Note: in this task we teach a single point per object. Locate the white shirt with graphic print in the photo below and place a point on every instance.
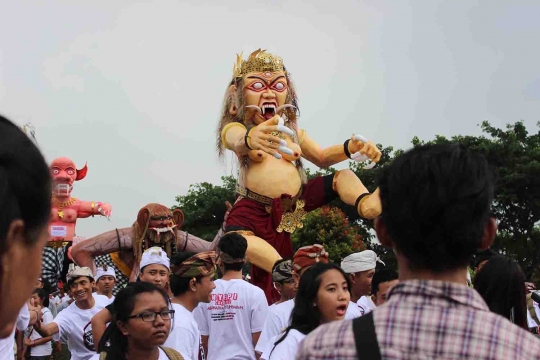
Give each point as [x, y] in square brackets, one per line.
[75, 329]
[237, 310]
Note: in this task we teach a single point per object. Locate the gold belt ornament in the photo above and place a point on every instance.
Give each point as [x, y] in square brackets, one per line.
[56, 244]
[244, 192]
[290, 221]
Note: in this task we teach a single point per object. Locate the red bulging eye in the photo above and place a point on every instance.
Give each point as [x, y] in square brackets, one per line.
[56, 171]
[71, 172]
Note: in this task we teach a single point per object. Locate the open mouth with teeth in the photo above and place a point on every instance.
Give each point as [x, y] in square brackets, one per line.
[268, 110]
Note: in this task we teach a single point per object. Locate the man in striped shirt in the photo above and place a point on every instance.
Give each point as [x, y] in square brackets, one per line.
[436, 214]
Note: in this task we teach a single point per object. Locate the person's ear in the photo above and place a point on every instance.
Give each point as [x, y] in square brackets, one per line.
[122, 327]
[490, 231]
[382, 233]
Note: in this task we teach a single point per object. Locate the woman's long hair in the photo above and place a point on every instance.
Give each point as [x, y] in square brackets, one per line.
[305, 317]
[501, 283]
[113, 341]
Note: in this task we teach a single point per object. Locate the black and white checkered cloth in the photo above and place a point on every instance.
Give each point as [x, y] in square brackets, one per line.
[121, 279]
[52, 262]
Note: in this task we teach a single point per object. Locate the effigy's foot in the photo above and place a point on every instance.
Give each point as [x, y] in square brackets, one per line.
[369, 205]
[259, 252]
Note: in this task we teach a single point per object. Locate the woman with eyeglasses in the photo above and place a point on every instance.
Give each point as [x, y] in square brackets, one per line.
[141, 324]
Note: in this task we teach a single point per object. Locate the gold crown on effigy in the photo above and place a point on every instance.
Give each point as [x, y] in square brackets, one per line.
[258, 61]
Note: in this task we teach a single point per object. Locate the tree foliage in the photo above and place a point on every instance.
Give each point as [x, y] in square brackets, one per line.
[330, 227]
[514, 156]
[204, 207]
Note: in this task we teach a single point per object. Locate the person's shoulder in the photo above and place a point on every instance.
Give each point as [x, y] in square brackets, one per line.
[508, 334]
[335, 339]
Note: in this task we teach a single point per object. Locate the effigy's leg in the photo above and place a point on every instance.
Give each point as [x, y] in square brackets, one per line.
[260, 253]
[351, 190]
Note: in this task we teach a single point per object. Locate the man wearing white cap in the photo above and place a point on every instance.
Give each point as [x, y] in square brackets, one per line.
[72, 326]
[105, 280]
[155, 268]
[361, 267]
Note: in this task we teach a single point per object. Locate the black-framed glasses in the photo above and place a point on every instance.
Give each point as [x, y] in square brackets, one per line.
[151, 315]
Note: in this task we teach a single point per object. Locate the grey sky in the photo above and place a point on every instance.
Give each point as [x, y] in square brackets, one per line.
[135, 89]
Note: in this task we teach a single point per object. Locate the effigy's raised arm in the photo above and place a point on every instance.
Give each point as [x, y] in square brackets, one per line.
[111, 241]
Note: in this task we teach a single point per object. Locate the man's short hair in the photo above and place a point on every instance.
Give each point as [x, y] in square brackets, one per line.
[234, 245]
[435, 205]
[382, 276]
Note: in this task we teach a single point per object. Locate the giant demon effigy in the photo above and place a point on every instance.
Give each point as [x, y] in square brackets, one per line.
[259, 124]
[65, 210]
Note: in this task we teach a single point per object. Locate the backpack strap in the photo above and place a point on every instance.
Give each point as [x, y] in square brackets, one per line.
[171, 353]
[365, 338]
[532, 310]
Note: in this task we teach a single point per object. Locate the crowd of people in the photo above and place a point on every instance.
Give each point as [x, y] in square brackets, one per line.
[436, 218]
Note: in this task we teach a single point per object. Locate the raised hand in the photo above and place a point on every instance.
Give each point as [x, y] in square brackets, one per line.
[260, 137]
[362, 149]
[105, 209]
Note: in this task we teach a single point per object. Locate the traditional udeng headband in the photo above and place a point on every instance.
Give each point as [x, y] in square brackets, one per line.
[228, 259]
[282, 272]
[308, 256]
[258, 61]
[203, 263]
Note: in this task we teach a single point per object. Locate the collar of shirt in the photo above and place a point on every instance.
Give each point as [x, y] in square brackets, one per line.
[437, 292]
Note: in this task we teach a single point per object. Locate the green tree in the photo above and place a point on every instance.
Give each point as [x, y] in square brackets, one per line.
[204, 207]
[329, 227]
[369, 178]
[514, 156]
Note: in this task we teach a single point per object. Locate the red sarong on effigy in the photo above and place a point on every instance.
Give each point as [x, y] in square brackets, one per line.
[248, 214]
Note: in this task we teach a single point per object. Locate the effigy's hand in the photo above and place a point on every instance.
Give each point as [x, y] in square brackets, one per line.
[105, 209]
[363, 149]
[260, 137]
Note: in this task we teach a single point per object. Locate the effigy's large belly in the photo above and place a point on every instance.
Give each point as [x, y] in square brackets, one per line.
[273, 177]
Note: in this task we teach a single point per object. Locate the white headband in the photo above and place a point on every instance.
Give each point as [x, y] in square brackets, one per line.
[105, 271]
[360, 261]
[155, 255]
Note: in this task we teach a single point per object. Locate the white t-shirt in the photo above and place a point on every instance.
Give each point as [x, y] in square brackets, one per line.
[43, 349]
[185, 336]
[365, 305]
[530, 321]
[286, 349]
[162, 355]
[75, 328]
[279, 318]
[6, 344]
[237, 310]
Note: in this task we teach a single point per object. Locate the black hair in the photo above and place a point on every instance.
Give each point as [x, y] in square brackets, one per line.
[234, 245]
[483, 255]
[304, 317]
[180, 285]
[435, 205]
[381, 276]
[501, 283]
[123, 304]
[43, 296]
[71, 281]
[25, 185]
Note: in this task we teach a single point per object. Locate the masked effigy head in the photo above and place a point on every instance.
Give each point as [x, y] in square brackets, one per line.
[156, 226]
[64, 173]
[260, 88]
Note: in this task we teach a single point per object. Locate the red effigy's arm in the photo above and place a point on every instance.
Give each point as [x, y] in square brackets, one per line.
[90, 208]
